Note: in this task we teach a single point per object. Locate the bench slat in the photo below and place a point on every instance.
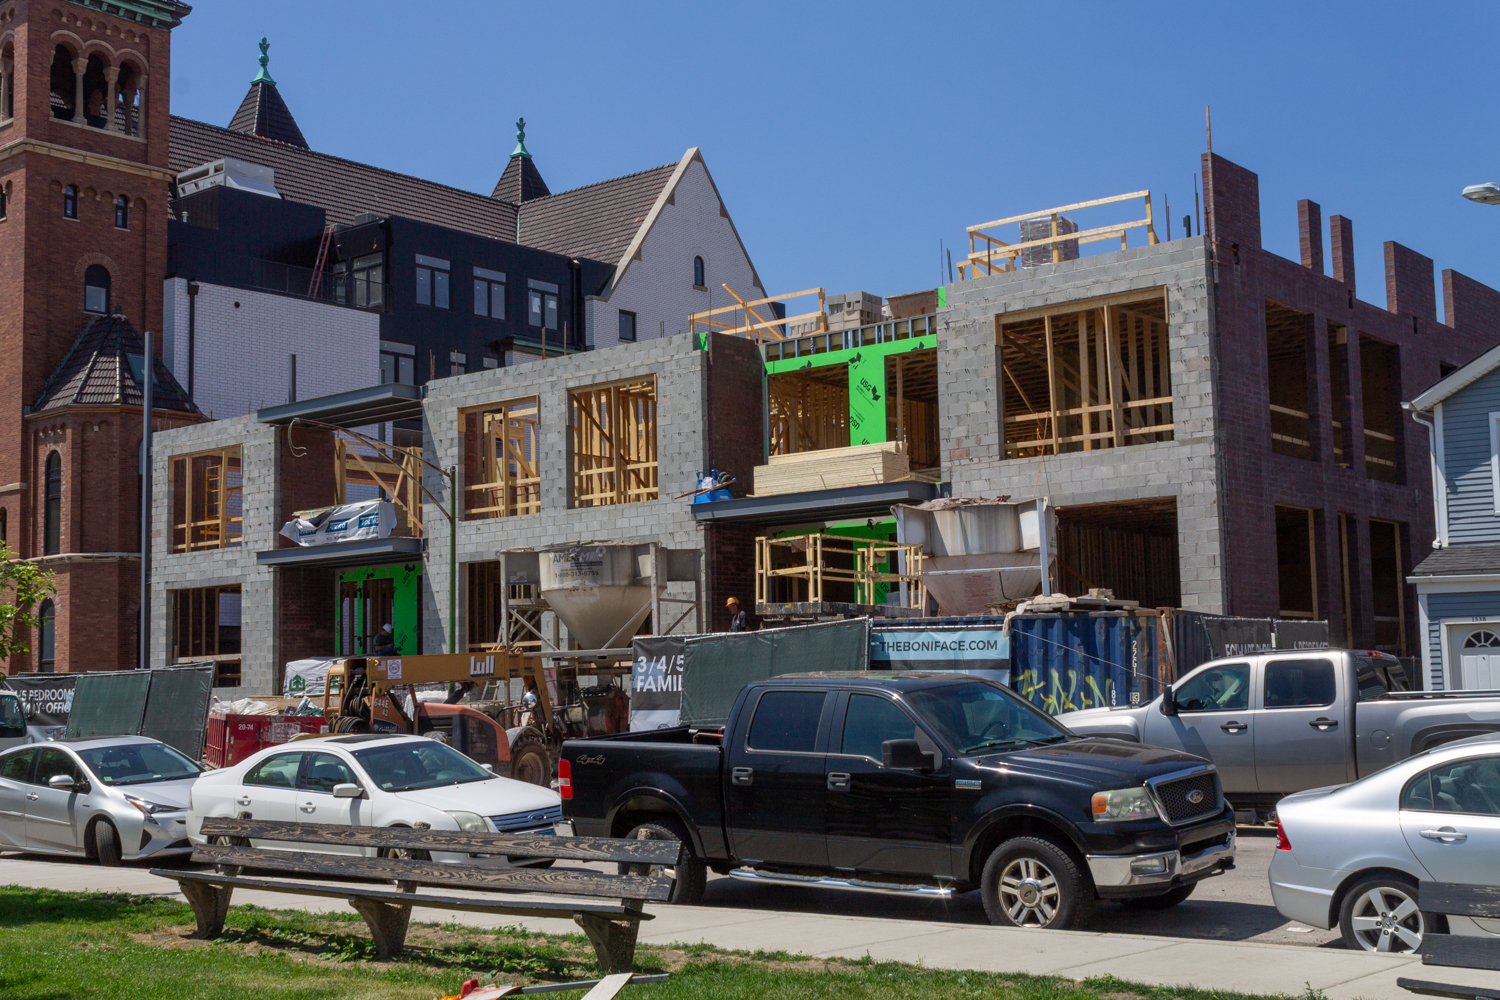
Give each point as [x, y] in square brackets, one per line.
[1465, 952]
[655, 852]
[1448, 990]
[1459, 899]
[518, 907]
[578, 882]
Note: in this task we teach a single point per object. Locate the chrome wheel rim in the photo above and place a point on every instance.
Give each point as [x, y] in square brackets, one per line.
[1029, 893]
[670, 872]
[1386, 919]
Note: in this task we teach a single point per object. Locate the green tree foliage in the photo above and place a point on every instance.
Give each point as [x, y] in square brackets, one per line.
[22, 587]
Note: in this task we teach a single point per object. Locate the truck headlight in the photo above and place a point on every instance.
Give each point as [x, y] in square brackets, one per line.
[1120, 804]
[469, 822]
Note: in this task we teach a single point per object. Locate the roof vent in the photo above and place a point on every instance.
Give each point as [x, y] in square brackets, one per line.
[228, 173]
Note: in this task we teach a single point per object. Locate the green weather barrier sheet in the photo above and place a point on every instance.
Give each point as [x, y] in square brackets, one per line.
[719, 665]
[867, 388]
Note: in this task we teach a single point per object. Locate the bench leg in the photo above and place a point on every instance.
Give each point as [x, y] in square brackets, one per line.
[210, 905]
[387, 922]
[613, 940]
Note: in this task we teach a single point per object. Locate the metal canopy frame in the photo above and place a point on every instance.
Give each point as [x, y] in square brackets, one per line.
[376, 404]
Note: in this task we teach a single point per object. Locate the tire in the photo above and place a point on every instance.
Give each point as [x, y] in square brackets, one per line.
[1030, 882]
[690, 874]
[1165, 901]
[530, 762]
[233, 871]
[1380, 914]
[106, 844]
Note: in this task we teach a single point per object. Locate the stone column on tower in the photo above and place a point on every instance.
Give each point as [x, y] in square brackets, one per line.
[80, 67]
[111, 96]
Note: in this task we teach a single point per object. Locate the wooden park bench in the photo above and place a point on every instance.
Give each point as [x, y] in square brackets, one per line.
[1453, 950]
[611, 927]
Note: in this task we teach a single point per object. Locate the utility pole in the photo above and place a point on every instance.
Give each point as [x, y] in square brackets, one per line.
[148, 370]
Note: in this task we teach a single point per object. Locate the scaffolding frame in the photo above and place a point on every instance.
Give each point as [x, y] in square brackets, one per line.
[866, 556]
[991, 255]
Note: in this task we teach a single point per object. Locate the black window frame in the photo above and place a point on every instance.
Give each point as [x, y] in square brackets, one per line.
[624, 313]
[46, 637]
[439, 282]
[52, 505]
[92, 277]
[700, 272]
[122, 212]
[70, 202]
[489, 290]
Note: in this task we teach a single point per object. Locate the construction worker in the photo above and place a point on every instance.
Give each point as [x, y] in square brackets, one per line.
[385, 641]
[741, 621]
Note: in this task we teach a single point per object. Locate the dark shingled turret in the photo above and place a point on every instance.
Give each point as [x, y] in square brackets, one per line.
[103, 368]
[263, 112]
[521, 180]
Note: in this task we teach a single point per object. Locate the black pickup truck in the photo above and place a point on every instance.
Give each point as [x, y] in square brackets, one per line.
[921, 784]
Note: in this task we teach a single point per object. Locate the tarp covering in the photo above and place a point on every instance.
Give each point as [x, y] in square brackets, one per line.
[1198, 638]
[305, 677]
[109, 704]
[719, 665]
[347, 523]
[981, 650]
[656, 681]
[1066, 662]
[168, 704]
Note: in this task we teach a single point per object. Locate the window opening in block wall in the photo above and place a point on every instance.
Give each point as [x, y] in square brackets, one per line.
[809, 409]
[1296, 562]
[1128, 547]
[1380, 388]
[613, 429]
[1288, 361]
[911, 396]
[432, 281]
[489, 293]
[52, 506]
[1338, 394]
[1388, 586]
[1086, 376]
[206, 626]
[207, 500]
[488, 595]
[500, 460]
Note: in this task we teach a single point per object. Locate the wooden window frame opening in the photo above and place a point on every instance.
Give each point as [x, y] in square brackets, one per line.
[612, 432]
[507, 441]
[221, 525]
[191, 614]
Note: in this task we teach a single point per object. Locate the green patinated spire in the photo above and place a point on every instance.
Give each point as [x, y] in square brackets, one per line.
[520, 149]
[264, 76]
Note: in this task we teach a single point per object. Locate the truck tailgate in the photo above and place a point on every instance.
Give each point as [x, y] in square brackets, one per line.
[608, 773]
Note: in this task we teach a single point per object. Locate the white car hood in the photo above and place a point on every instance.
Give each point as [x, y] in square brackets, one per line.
[164, 793]
[494, 797]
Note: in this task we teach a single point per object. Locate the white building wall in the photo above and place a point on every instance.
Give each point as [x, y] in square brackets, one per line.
[243, 339]
[658, 288]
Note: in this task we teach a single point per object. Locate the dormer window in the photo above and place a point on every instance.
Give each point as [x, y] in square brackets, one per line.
[122, 212]
[96, 284]
[698, 281]
[70, 202]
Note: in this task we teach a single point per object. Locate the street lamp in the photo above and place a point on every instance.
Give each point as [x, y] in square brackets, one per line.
[1485, 194]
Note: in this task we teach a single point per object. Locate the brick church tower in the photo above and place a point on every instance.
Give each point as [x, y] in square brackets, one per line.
[84, 192]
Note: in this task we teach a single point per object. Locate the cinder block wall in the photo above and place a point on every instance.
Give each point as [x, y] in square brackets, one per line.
[971, 402]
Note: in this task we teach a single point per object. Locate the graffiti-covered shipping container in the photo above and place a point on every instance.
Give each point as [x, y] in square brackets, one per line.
[1066, 662]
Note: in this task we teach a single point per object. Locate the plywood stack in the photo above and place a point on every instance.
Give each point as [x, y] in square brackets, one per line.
[833, 468]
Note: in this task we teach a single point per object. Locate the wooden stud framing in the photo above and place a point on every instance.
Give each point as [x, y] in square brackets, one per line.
[865, 557]
[510, 481]
[983, 260]
[207, 500]
[613, 429]
[399, 477]
[757, 328]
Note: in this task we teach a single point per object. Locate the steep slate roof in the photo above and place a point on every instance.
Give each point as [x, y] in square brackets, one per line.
[96, 372]
[265, 114]
[598, 221]
[1460, 560]
[343, 188]
[521, 181]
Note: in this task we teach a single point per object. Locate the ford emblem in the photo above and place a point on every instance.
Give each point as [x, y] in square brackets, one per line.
[1195, 796]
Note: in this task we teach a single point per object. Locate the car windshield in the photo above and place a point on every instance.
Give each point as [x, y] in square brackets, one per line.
[981, 716]
[404, 767]
[138, 764]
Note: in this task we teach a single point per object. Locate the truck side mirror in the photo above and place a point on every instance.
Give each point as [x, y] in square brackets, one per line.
[906, 754]
[1168, 701]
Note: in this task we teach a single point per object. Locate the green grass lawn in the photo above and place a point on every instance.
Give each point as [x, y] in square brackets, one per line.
[61, 946]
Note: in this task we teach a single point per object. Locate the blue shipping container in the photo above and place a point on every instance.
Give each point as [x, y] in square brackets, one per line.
[1066, 662]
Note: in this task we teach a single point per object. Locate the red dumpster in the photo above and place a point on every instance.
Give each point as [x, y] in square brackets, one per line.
[232, 738]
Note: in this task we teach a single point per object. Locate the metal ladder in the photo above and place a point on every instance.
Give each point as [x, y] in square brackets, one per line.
[317, 277]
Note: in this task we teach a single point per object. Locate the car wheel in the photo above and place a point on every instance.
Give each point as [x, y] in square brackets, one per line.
[1031, 882]
[691, 872]
[529, 762]
[233, 871]
[1380, 914]
[1165, 901]
[106, 844]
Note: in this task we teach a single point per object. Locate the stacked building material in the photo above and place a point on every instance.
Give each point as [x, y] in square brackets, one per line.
[1040, 229]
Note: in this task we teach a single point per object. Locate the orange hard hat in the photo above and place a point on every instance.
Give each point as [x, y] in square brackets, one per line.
[731, 602]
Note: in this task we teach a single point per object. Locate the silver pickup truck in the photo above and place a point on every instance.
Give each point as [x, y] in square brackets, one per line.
[1276, 723]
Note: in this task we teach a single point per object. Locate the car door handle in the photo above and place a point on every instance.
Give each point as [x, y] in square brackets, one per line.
[245, 801]
[838, 781]
[1234, 727]
[308, 807]
[1323, 725]
[1447, 835]
[742, 776]
[31, 796]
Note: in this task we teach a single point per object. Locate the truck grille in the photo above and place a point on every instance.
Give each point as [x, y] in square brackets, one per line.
[536, 819]
[1176, 795]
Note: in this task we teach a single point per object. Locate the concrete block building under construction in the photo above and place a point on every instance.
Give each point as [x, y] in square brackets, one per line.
[1218, 428]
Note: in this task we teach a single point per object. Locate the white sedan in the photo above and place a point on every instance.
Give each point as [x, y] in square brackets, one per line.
[1351, 855]
[372, 780]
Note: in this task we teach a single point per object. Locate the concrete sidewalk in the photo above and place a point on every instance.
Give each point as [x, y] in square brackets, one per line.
[1238, 966]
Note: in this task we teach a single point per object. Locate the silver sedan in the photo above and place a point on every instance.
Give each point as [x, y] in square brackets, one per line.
[1351, 856]
[113, 799]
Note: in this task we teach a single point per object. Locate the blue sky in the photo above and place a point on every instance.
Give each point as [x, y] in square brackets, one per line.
[849, 139]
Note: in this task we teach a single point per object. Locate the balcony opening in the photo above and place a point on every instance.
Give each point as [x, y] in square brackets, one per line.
[613, 430]
[1083, 377]
[1338, 394]
[206, 626]
[1296, 562]
[500, 460]
[911, 383]
[1380, 384]
[1288, 361]
[1129, 548]
[1388, 586]
[390, 473]
[809, 409]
